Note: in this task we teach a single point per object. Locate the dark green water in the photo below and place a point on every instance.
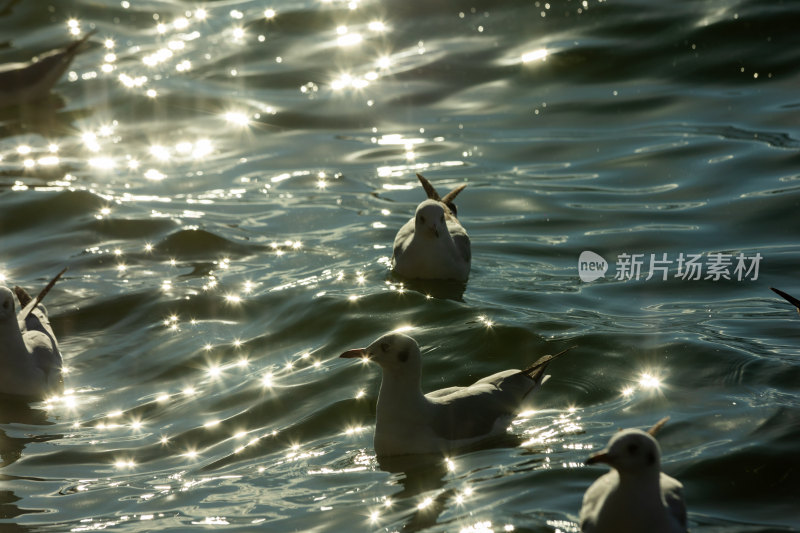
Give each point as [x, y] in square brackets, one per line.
[225, 193]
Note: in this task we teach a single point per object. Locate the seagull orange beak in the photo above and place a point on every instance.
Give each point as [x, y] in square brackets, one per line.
[599, 457]
[355, 353]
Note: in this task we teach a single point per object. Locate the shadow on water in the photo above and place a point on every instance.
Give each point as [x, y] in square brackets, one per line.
[8, 509]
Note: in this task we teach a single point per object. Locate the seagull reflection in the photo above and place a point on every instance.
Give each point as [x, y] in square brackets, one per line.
[24, 83]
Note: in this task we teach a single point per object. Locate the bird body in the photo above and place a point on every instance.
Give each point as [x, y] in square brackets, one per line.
[30, 360]
[410, 422]
[635, 496]
[433, 244]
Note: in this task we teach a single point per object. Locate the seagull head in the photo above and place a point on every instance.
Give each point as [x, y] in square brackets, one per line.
[395, 352]
[429, 219]
[7, 306]
[631, 451]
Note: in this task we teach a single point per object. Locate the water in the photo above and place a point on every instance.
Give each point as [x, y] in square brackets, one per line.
[225, 190]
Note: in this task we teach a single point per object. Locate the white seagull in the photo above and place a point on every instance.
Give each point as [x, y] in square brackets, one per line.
[635, 496]
[788, 297]
[30, 361]
[408, 422]
[433, 244]
[23, 83]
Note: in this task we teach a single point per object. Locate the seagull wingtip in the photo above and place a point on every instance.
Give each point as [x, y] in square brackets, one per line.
[658, 426]
[788, 297]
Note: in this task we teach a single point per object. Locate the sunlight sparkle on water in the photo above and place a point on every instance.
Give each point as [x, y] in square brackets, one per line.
[377, 26]
[159, 152]
[425, 503]
[74, 26]
[124, 463]
[154, 175]
[180, 23]
[233, 298]
[102, 163]
[90, 141]
[649, 381]
[349, 39]
[237, 118]
[540, 55]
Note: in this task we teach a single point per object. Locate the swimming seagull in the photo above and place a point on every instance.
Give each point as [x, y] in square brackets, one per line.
[433, 244]
[788, 297]
[408, 422]
[30, 361]
[23, 83]
[635, 495]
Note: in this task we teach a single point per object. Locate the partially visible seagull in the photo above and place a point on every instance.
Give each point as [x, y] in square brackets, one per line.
[30, 361]
[408, 422]
[433, 244]
[635, 496]
[788, 297]
[23, 83]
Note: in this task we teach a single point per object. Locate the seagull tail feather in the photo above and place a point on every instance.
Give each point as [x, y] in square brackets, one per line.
[449, 197]
[39, 297]
[657, 426]
[74, 48]
[430, 190]
[22, 295]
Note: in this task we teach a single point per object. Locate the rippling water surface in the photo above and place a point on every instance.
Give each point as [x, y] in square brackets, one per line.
[224, 181]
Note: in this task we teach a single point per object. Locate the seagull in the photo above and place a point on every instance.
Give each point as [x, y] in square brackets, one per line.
[788, 297]
[433, 244]
[408, 422]
[635, 496]
[30, 361]
[24, 83]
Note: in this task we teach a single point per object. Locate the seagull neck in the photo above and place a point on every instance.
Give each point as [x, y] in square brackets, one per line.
[643, 481]
[10, 332]
[399, 392]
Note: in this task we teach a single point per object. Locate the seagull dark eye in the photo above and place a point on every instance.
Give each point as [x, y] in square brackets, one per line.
[633, 448]
[5, 304]
[403, 356]
[384, 346]
[422, 219]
